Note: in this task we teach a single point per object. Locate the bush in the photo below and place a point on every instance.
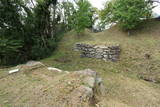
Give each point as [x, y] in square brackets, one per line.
[9, 50]
[38, 51]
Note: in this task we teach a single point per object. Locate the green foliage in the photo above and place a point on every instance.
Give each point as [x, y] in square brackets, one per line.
[9, 49]
[9, 46]
[106, 14]
[38, 51]
[27, 33]
[31, 31]
[11, 30]
[82, 17]
[128, 13]
[69, 10]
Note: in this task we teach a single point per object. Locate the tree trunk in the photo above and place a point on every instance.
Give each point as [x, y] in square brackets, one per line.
[53, 22]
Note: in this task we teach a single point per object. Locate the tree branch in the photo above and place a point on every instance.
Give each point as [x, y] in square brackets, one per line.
[154, 1]
[32, 3]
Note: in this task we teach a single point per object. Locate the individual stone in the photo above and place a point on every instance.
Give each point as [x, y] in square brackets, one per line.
[54, 69]
[89, 81]
[13, 71]
[87, 72]
[80, 97]
[100, 89]
[105, 56]
[99, 56]
[31, 65]
[34, 63]
[99, 50]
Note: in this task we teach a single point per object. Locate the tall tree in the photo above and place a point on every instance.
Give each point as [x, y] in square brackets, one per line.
[26, 31]
[68, 13]
[11, 29]
[128, 13]
[82, 17]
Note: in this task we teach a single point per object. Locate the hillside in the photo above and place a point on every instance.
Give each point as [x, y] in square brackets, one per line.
[131, 82]
[135, 49]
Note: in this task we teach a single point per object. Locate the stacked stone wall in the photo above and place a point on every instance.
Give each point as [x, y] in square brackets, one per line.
[100, 52]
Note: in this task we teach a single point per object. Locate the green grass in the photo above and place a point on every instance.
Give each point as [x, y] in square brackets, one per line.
[124, 88]
[123, 74]
[134, 48]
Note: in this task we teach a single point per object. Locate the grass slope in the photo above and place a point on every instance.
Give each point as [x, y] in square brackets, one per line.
[124, 88]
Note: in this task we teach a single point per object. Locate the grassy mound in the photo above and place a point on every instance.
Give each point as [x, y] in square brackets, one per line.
[140, 57]
[43, 87]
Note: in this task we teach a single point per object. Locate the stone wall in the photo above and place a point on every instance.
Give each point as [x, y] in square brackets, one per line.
[111, 53]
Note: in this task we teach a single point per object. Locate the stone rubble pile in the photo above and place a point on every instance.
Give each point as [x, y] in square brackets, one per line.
[100, 52]
[33, 65]
[86, 93]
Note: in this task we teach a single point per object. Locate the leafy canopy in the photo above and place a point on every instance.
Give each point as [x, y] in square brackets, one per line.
[31, 29]
[25, 32]
[128, 13]
[82, 17]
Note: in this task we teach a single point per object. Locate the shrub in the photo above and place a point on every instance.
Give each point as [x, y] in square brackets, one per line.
[9, 50]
